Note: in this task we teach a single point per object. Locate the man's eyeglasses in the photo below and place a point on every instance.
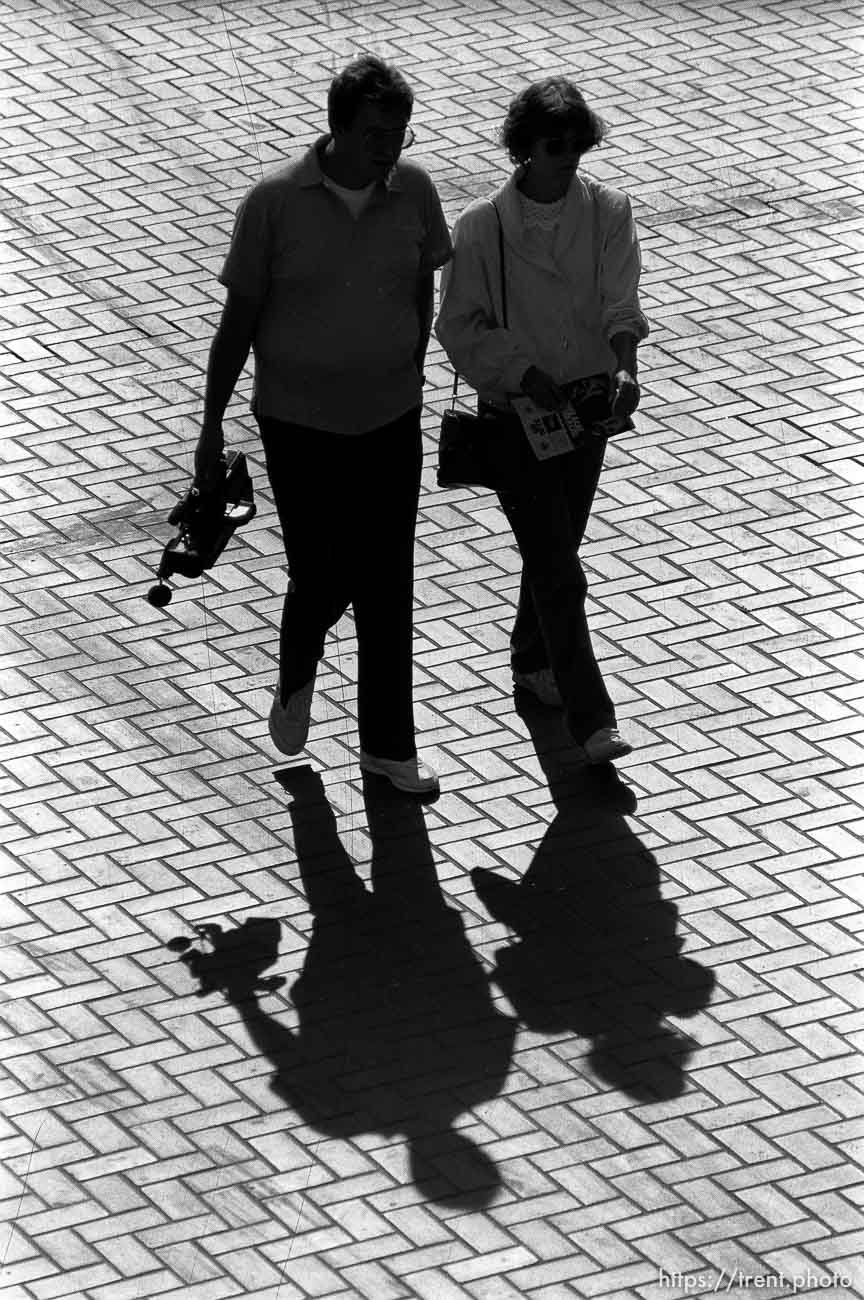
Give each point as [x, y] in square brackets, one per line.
[399, 137]
[556, 145]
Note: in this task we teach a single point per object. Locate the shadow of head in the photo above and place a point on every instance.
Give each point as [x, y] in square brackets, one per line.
[450, 1169]
[648, 1064]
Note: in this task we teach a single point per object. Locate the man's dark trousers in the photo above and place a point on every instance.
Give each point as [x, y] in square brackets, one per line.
[348, 509]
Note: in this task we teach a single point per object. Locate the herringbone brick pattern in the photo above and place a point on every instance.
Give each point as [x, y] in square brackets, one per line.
[623, 1057]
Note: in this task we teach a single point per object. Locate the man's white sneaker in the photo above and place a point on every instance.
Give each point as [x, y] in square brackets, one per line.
[542, 684]
[606, 745]
[410, 775]
[289, 722]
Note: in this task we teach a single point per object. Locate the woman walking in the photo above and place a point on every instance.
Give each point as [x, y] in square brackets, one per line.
[565, 328]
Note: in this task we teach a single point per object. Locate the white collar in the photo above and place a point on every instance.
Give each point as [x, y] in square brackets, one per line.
[578, 207]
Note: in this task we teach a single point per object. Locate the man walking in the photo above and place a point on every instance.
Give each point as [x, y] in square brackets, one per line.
[330, 280]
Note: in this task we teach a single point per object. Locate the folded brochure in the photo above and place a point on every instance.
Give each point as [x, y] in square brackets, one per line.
[550, 433]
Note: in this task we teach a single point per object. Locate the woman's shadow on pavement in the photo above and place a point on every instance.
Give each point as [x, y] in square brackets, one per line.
[596, 949]
[397, 1032]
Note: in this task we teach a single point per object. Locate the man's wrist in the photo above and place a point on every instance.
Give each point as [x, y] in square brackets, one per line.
[624, 345]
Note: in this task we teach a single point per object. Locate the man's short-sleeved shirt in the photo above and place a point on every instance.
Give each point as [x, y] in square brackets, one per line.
[338, 331]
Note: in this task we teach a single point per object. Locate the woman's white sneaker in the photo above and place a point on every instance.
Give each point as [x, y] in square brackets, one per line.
[289, 722]
[605, 745]
[409, 775]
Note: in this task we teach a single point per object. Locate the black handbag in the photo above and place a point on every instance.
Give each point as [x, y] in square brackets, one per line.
[480, 450]
[484, 450]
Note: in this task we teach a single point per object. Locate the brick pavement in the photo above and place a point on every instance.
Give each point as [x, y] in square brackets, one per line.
[628, 1050]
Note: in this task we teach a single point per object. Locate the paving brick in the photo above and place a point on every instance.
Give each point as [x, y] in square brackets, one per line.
[73, 1282]
[431, 1284]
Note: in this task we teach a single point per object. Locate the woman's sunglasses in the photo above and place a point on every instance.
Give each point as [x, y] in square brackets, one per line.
[556, 145]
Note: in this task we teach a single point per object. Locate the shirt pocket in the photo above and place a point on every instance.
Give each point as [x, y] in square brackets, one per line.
[300, 259]
[394, 255]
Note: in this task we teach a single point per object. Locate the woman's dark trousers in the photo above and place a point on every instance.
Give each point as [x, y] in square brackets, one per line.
[548, 513]
[348, 510]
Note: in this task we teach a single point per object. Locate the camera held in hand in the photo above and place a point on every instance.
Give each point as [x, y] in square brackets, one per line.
[205, 522]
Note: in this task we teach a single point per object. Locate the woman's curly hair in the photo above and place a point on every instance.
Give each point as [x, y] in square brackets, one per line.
[551, 107]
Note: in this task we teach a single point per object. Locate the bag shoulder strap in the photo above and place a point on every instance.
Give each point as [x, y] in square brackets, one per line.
[502, 271]
[596, 232]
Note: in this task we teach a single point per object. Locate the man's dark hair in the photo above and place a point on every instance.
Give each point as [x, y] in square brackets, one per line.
[370, 80]
[551, 107]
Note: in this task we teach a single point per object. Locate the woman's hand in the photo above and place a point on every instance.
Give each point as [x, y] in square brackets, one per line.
[626, 393]
[543, 390]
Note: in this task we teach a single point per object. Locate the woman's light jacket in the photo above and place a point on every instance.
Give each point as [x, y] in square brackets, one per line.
[564, 301]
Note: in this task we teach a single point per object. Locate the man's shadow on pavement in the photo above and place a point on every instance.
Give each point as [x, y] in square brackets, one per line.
[397, 1030]
[596, 950]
